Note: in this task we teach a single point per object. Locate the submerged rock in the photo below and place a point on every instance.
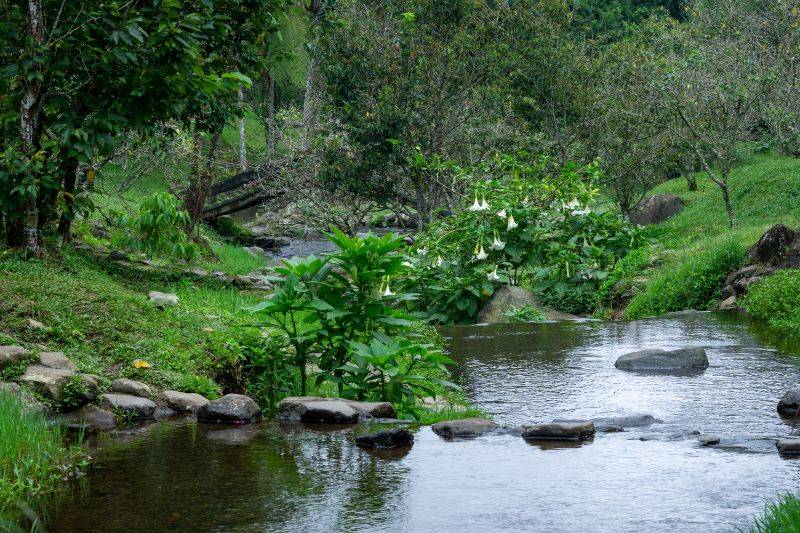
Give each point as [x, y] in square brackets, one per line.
[231, 408]
[57, 360]
[393, 438]
[708, 440]
[464, 428]
[559, 431]
[789, 404]
[162, 299]
[507, 297]
[790, 446]
[656, 209]
[134, 407]
[655, 359]
[331, 410]
[92, 418]
[184, 402]
[627, 421]
[129, 386]
[11, 355]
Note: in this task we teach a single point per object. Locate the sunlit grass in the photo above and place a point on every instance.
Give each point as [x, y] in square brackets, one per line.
[780, 516]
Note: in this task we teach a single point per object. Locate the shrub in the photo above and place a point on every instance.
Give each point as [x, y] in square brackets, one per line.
[527, 313]
[775, 301]
[160, 228]
[573, 299]
[627, 267]
[692, 281]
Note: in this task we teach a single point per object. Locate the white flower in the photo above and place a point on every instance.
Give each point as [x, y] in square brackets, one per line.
[574, 204]
[422, 252]
[581, 212]
[439, 261]
[481, 254]
[408, 264]
[497, 244]
[484, 205]
[502, 213]
[388, 291]
[475, 205]
[511, 223]
[492, 276]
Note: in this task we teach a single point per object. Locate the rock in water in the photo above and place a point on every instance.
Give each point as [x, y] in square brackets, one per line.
[161, 299]
[231, 408]
[559, 431]
[128, 386]
[331, 410]
[656, 209]
[788, 446]
[184, 402]
[708, 440]
[463, 429]
[393, 438]
[131, 406]
[11, 355]
[662, 360]
[507, 297]
[790, 402]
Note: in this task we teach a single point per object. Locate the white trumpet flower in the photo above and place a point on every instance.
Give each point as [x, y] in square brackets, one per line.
[484, 205]
[439, 261]
[492, 276]
[511, 223]
[481, 254]
[475, 205]
[422, 252]
[502, 213]
[388, 291]
[497, 244]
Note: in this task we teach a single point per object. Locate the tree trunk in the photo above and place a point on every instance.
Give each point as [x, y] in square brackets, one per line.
[70, 177]
[242, 136]
[200, 182]
[271, 127]
[726, 196]
[691, 181]
[308, 102]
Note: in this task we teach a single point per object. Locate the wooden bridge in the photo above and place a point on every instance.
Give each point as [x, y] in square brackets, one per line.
[255, 194]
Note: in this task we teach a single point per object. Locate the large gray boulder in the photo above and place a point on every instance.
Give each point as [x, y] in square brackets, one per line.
[231, 408]
[184, 402]
[582, 430]
[463, 429]
[507, 297]
[57, 360]
[789, 404]
[133, 407]
[393, 438]
[788, 446]
[129, 386]
[656, 209]
[11, 355]
[775, 247]
[331, 410]
[664, 360]
[49, 382]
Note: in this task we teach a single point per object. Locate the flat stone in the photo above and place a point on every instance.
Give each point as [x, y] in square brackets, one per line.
[559, 431]
[788, 446]
[664, 360]
[393, 438]
[789, 404]
[48, 382]
[464, 428]
[331, 410]
[708, 440]
[184, 402]
[132, 406]
[231, 408]
[374, 409]
[11, 355]
[626, 421]
[129, 386]
[162, 299]
[57, 360]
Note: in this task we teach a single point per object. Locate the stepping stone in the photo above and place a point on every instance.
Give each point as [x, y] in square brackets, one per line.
[11, 355]
[134, 407]
[331, 410]
[559, 431]
[231, 408]
[129, 386]
[184, 402]
[57, 360]
[664, 360]
[708, 440]
[465, 428]
[790, 402]
[393, 438]
[790, 446]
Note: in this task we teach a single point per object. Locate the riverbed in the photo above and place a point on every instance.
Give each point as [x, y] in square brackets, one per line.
[272, 477]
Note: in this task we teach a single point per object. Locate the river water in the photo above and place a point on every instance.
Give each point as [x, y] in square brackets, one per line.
[268, 477]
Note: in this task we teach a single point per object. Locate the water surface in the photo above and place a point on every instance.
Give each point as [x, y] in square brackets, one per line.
[270, 477]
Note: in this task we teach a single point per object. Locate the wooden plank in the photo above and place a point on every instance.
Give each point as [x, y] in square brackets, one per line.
[240, 203]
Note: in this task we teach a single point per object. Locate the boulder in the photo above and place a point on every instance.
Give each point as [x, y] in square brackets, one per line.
[788, 446]
[708, 440]
[331, 410]
[614, 424]
[11, 355]
[231, 408]
[559, 431]
[184, 402]
[129, 386]
[656, 209]
[49, 382]
[728, 303]
[91, 388]
[789, 404]
[393, 438]
[29, 401]
[133, 407]
[664, 360]
[463, 429]
[162, 299]
[773, 246]
[57, 360]
[507, 297]
[91, 418]
[374, 409]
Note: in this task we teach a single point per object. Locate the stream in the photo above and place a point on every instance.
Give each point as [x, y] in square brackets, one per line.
[273, 477]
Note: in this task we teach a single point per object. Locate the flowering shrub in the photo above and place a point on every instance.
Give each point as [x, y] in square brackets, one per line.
[523, 223]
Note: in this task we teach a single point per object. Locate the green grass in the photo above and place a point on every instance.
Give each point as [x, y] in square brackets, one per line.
[776, 301]
[428, 416]
[780, 516]
[33, 460]
[233, 259]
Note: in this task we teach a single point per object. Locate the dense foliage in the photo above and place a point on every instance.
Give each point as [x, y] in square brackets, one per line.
[775, 301]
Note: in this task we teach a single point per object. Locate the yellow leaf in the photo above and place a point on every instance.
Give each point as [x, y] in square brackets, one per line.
[141, 364]
[90, 175]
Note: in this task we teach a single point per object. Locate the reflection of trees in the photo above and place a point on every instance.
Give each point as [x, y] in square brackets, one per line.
[197, 477]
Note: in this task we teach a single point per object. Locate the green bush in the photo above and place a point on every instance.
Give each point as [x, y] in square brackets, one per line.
[776, 301]
[780, 516]
[526, 313]
[573, 299]
[628, 267]
[692, 281]
[159, 228]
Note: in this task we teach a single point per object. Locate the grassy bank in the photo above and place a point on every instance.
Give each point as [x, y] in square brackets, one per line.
[697, 248]
[33, 458]
[780, 516]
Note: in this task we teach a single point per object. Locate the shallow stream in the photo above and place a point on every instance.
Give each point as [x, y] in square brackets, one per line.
[270, 477]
